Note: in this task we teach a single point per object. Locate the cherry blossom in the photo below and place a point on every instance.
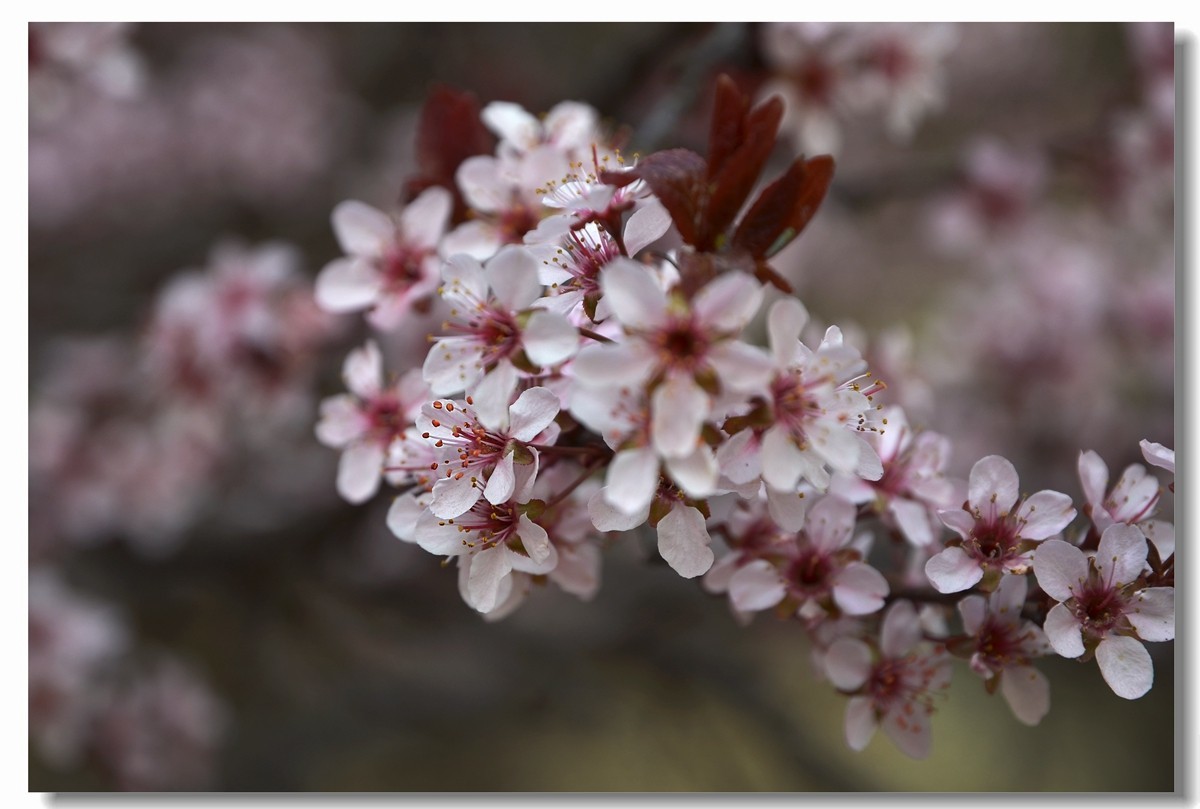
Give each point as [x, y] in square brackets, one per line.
[913, 487]
[1104, 607]
[995, 538]
[1158, 455]
[1132, 500]
[491, 333]
[893, 687]
[390, 266]
[367, 421]
[818, 572]
[815, 411]
[683, 539]
[498, 538]
[477, 461]
[676, 349]
[1001, 645]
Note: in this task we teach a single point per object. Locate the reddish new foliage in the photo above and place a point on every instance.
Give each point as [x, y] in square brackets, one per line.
[703, 196]
[450, 131]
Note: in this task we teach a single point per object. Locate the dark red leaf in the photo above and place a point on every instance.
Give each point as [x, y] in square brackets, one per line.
[728, 123]
[733, 183]
[785, 207]
[450, 130]
[676, 176]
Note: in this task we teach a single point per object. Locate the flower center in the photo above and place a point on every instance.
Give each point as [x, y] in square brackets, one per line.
[401, 267]
[993, 541]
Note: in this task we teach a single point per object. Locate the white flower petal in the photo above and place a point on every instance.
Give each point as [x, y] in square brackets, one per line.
[1060, 568]
[738, 457]
[1093, 476]
[728, 302]
[632, 480]
[741, 367]
[341, 421]
[645, 226]
[635, 297]
[359, 471]
[1122, 554]
[756, 586]
[859, 589]
[847, 663]
[912, 518]
[1045, 514]
[957, 520]
[453, 497]
[483, 185]
[403, 514]
[424, 220]
[493, 394]
[1027, 692]
[909, 731]
[1063, 631]
[511, 122]
[679, 407]
[789, 510]
[363, 370]
[500, 484]
[953, 571]
[549, 339]
[782, 460]
[362, 230]
[463, 282]
[697, 473]
[537, 545]
[785, 321]
[483, 581]
[476, 239]
[532, 412]
[1158, 455]
[612, 364]
[607, 517]
[684, 543]
[1126, 666]
[437, 536]
[901, 630]
[973, 610]
[513, 276]
[993, 486]
[860, 722]
[830, 523]
[1152, 613]
[347, 285]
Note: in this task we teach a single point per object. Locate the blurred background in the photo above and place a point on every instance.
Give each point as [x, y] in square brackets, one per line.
[206, 613]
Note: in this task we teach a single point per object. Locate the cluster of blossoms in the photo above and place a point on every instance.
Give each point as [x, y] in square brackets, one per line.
[148, 721]
[831, 74]
[593, 374]
[130, 440]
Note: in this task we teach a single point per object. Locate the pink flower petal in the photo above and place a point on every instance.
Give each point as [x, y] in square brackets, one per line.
[1125, 665]
[632, 479]
[532, 412]
[607, 517]
[513, 276]
[901, 630]
[909, 731]
[993, 486]
[860, 722]
[453, 496]
[483, 581]
[424, 221]
[679, 407]
[1045, 514]
[953, 571]
[347, 285]
[645, 226]
[1152, 613]
[728, 303]
[684, 543]
[1122, 554]
[363, 370]
[359, 470]
[620, 364]
[1060, 568]
[362, 230]
[1063, 631]
[756, 586]
[635, 297]
[549, 339]
[1027, 692]
[785, 321]
[500, 483]
[860, 589]
[847, 663]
